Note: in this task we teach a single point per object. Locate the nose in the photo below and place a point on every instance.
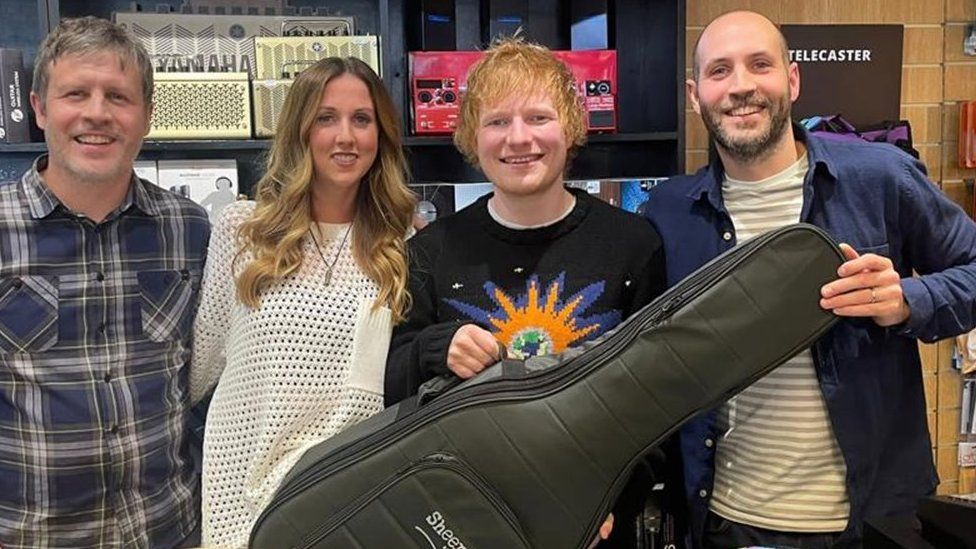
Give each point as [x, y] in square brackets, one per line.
[345, 135]
[97, 109]
[742, 82]
[518, 132]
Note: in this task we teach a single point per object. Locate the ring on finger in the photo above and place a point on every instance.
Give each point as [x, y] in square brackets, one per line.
[874, 296]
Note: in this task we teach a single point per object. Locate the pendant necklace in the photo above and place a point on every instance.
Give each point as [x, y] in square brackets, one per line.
[329, 266]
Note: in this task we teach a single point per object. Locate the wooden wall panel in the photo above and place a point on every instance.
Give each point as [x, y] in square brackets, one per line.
[955, 33]
[926, 122]
[950, 121]
[694, 160]
[885, 11]
[696, 136]
[931, 156]
[960, 10]
[960, 81]
[960, 192]
[951, 171]
[947, 464]
[921, 84]
[700, 12]
[923, 44]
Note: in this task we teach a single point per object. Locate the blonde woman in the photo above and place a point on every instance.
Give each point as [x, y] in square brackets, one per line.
[300, 293]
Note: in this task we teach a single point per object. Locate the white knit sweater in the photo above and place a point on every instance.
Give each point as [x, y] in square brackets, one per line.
[306, 364]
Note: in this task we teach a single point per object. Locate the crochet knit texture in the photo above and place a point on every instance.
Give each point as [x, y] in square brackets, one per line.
[307, 363]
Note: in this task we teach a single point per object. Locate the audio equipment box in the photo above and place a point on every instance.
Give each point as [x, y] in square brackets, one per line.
[279, 60]
[218, 43]
[439, 82]
[596, 82]
[283, 58]
[200, 105]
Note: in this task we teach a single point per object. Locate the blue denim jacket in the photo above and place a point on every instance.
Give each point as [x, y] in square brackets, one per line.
[877, 199]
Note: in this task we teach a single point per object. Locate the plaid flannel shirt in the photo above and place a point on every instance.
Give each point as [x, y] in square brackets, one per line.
[95, 321]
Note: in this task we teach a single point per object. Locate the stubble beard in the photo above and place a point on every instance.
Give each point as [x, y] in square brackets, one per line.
[750, 149]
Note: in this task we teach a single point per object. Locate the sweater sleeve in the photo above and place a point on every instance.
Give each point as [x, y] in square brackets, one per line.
[418, 350]
[651, 281]
[217, 300]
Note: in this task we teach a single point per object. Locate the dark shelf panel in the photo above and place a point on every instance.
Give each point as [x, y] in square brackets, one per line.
[260, 144]
[22, 147]
[443, 140]
[154, 146]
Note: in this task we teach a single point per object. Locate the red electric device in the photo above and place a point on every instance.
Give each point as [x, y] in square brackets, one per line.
[439, 82]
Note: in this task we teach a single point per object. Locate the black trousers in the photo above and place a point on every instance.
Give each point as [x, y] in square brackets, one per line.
[721, 533]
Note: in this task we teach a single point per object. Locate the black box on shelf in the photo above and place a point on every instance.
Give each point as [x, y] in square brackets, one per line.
[14, 113]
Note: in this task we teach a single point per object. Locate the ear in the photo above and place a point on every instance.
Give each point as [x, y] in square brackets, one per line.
[691, 90]
[39, 110]
[149, 111]
[793, 74]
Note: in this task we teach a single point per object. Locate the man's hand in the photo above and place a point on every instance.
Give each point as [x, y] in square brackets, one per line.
[472, 349]
[868, 286]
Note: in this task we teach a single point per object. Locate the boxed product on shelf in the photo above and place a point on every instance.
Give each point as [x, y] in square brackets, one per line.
[211, 183]
[14, 114]
[439, 82]
[196, 105]
[283, 58]
[219, 43]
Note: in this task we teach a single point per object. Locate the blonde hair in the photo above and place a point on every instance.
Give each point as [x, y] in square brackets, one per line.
[276, 231]
[511, 67]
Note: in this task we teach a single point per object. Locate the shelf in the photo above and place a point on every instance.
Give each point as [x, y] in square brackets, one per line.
[260, 144]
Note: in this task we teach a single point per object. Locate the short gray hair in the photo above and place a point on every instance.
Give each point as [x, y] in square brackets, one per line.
[88, 35]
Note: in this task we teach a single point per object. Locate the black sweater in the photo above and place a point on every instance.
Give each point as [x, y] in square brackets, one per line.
[596, 266]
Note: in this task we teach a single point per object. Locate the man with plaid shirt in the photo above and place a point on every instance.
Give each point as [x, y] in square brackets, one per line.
[99, 276]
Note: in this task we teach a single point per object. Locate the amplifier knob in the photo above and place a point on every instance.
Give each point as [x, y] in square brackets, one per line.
[449, 97]
[425, 97]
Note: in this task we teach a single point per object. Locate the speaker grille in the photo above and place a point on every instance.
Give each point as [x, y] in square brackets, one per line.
[284, 58]
[200, 107]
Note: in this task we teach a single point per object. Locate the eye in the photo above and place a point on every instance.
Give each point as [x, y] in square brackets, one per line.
[325, 118]
[496, 122]
[718, 72]
[362, 119]
[539, 118]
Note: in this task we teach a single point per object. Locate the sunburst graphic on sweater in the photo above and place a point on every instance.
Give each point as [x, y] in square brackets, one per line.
[540, 322]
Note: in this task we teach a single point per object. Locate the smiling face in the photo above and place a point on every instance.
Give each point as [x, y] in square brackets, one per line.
[522, 146]
[94, 117]
[744, 88]
[344, 137]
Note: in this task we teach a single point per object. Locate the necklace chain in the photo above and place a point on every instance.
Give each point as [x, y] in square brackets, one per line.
[329, 266]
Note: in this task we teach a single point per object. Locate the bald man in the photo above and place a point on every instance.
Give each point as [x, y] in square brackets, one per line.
[838, 434]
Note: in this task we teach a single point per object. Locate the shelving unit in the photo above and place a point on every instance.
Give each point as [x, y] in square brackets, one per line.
[647, 34]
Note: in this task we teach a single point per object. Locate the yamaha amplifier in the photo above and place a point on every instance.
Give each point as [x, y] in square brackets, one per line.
[439, 82]
[199, 105]
[269, 98]
[218, 43]
[283, 58]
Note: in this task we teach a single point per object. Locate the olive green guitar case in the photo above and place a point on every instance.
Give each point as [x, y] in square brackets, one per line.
[534, 453]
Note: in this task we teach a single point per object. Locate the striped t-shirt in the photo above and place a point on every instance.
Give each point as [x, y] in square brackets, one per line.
[777, 463]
